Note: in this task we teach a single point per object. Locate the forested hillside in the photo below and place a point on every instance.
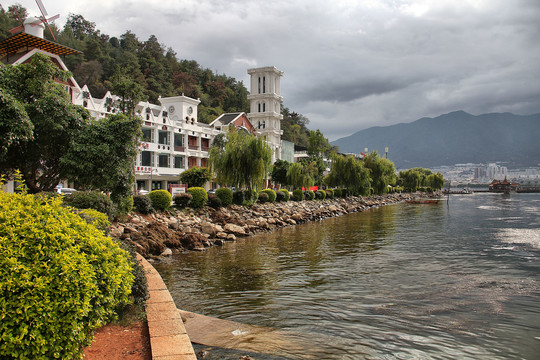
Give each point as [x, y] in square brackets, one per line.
[106, 60]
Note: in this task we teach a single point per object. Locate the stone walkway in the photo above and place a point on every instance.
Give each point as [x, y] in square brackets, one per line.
[168, 336]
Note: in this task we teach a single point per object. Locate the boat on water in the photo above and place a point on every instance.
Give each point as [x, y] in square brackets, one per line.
[424, 200]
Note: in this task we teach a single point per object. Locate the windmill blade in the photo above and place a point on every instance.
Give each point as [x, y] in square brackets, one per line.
[16, 14]
[41, 8]
[52, 18]
[16, 29]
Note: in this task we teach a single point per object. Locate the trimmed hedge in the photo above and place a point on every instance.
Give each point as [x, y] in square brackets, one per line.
[298, 195]
[271, 194]
[143, 204]
[286, 195]
[250, 196]
[161, 199]
[320, 195]
[329, 193]
[263, 197]
[200, 197]
[214, 201]
[91, 200]
[182, 200]
[225, 195]
[60, 279]
[310, 195]
[337, 193]
[238, 197]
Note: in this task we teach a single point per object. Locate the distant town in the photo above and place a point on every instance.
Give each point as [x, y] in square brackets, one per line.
[483, 174]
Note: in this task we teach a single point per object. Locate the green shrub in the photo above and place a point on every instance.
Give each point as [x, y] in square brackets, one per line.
[200, 197]
[263, 197]
[238, 197]
[280, 196]
[124, 204]
[329, 193]
[96, 218]
[271, 194]
[91, 200]
[250, 196]
[214, 201]
[320, 195]
[225, 195]
[286, 194]
[139, 289]
[309, 194]
[60, 279]
[337, 193]
[143, 204]
[298, 195]
[182, 200]
[161, 199]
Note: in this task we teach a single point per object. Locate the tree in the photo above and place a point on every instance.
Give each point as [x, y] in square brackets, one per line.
[349, 172]
[279, 172]
[302, 175]
[435, 181]
[55, 120]
[382, 172]
[240, 160]
[103, 155]
[196, 176]
[410, 179]
[317, 143]
[15, 125]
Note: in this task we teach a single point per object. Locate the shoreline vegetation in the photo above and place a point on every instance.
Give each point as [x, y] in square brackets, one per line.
[162, 234]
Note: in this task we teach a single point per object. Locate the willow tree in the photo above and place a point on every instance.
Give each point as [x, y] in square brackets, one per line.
[302, 175]
[239, 159]
[382, 172]
[350, 173]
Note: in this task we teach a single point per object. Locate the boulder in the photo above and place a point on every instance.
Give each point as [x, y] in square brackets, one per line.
[210, 229]
[297, 217]
[231, 237]
[234, 229]
[166, 252]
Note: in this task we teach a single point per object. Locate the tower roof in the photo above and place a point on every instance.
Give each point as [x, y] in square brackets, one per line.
[24, 41]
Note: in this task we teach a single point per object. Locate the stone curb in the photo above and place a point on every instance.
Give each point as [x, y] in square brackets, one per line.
[168, 336]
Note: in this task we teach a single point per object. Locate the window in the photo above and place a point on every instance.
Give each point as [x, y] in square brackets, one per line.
[259, 84]
[178, 162]
[178, 139]
[147, 135]
[259, 104]
[163, 138]
[146, 158]
[264, 107]
[264, 84]
[163, 160]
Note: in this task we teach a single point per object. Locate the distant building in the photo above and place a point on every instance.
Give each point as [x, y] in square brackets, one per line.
[503, 186]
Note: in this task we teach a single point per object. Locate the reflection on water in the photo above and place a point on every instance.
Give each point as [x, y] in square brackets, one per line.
[457, 279]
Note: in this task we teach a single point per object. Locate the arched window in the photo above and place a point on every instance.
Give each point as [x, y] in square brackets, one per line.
[264, 107]
[264, 84]
[259, 84]
[259, 105]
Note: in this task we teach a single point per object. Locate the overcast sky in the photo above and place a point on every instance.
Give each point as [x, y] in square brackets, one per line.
[349, 65]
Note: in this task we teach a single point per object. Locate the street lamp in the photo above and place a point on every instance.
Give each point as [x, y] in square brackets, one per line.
[151, 182]
[386, 152]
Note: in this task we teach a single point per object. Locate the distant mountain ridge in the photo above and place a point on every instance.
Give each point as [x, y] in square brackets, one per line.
[453, 138]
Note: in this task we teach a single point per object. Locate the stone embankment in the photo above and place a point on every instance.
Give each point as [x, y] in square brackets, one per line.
[161, 234]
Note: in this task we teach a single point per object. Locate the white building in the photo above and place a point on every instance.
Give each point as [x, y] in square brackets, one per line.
[173, 140]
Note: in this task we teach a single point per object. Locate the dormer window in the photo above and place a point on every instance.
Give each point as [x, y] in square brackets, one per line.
[86, 95]
[148, 110]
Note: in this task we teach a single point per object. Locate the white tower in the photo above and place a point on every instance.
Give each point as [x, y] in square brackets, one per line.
[265, 106]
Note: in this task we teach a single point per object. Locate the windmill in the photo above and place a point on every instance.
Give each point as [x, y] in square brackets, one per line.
[36, 22]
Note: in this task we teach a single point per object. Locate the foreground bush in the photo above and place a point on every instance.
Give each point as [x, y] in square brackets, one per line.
[60, 279]
[200, 197]
[225, 195]
[143, 204]
[161, 199]
[298, 195]
[283, 195]
[96, 218]
[320, 195]
[338, 193]
[182, 200]
[271, 194]
[91, 200]
[250, 196]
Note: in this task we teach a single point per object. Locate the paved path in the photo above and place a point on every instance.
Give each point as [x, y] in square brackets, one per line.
[168, 336]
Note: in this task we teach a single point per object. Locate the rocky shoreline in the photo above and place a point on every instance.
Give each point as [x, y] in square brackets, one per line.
[162, 234]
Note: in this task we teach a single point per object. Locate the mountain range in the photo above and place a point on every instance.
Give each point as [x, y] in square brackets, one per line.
[453, 138]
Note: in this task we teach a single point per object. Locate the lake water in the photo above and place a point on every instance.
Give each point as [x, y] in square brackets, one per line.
[460, 279]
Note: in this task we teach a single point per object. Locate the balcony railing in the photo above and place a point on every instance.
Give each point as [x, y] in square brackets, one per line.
[205, 148]
[193, 147]
[179, 148]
